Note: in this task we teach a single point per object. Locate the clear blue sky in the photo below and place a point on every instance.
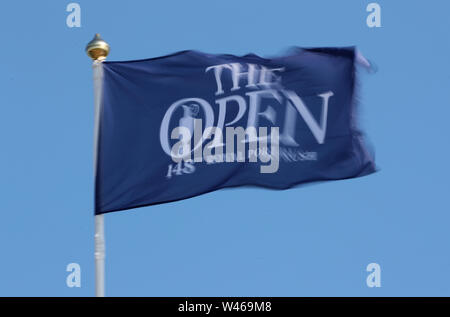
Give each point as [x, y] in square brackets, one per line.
[313, 240]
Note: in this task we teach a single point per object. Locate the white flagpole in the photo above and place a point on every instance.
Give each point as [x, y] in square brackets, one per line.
[98, 49]
[99, 235]
[99, 256]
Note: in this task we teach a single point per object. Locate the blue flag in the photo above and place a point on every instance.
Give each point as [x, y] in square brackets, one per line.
[181, 125]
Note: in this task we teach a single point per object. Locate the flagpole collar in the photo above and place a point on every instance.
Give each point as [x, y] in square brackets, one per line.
[97, 49]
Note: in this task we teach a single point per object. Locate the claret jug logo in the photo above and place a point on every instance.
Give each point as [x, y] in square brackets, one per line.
[254, 119]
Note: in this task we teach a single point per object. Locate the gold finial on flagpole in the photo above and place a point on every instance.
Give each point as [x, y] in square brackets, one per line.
[97, 49]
